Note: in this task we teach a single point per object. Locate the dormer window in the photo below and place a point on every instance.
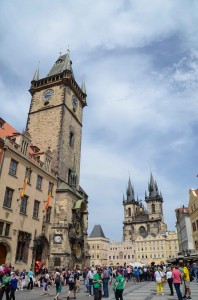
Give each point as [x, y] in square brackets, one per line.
[24, 146]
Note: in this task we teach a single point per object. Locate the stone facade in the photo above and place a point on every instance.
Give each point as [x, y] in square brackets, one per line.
[141, 221]
[193, 214]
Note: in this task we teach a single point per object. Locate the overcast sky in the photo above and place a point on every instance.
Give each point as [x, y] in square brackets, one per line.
[140, 63]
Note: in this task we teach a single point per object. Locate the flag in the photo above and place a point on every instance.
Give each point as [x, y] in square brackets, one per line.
[48, 201]
[22, 193]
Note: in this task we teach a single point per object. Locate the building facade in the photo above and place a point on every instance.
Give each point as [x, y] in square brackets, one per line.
[54, 128]
[98, 247]
[184, 230]
[25, 219]
[193, 214]
[156, 248]
[121, 253]
[141, 221]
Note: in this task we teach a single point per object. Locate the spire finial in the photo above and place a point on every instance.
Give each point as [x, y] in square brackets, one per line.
[83, 88]
[36, 74]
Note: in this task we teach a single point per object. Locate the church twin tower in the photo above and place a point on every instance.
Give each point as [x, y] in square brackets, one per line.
[139, 221]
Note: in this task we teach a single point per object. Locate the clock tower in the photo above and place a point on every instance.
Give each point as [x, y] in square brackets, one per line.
[55, 123]
[55, 116]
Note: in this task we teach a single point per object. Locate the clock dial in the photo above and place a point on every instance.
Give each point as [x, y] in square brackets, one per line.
[47, 95]
[57, 239]
[74, 102]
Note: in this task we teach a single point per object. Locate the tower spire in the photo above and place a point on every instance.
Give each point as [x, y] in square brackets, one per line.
[83, 88]
[36, 74]
[130, 192]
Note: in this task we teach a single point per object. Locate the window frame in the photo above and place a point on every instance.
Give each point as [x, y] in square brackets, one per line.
[23, 206]
[34, 210]
[39, 182]
[6, 199]
[13, 170]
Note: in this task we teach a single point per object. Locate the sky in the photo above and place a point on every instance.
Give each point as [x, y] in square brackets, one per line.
[140, 63]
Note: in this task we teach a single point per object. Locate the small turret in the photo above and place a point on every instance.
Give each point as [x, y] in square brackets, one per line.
[36, 75]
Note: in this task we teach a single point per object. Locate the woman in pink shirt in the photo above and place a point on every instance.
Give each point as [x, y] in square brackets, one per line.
[176, 274]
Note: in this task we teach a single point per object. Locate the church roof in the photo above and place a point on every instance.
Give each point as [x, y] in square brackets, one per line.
[6, 129]
[97, 232]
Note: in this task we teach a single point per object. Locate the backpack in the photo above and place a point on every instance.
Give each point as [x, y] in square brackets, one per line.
[57, 279]
[71, 278]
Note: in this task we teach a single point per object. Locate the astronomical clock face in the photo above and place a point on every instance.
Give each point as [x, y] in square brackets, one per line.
[57, 239]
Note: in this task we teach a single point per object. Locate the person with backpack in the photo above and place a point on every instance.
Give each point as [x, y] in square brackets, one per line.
[46, 281]
[105, 279]
[90, 277]
[97, 284]
[13, 285]
[72, 284]
[136, 275]
[58, 282]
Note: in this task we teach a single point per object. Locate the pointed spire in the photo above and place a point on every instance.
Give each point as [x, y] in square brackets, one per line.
[67, 62]
[36, 74]
[145, 194]
[130, 192]
[83, 88]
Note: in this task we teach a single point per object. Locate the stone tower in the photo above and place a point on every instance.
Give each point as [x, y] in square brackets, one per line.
[55, 116]
[139, 221]
[55, 123]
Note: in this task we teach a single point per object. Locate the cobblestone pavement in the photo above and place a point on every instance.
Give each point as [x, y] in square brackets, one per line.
[142, 291]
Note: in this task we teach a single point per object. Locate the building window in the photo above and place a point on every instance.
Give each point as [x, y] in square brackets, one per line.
[97, 255]
[50, 188]
[93, 247]
[150, 255]
[28, 174]
[8, 198]
[153, 208]
[36, 209]
[129, 256]
[197, 223]
[23, 205]
[1, 228]
[129, 212]
[48, 215]
[124, 256]
[23, 247]
[92, 255]
[71, 139]
[113, 257]
[97, 246]
[7, 229]
[39, 182]
[194, 226]
[13, 167]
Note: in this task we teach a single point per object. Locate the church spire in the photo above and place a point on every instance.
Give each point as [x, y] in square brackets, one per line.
[36, 75]
[63, 63]
[130, 192]
[152, 187]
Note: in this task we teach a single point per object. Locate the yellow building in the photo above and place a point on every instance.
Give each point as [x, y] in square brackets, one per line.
[156, 248]
[193, 214]
[98, 247]
[121, 253]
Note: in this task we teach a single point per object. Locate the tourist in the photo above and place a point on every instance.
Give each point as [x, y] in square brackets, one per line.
[90, 277]
[97, 284]
[30, 276]
[159, 275]
[72, 284]
[58, 282]
[13, 285]
[46, 281]
[177, 281]
[105, 280]
[186, 278]
[6, 285]
[169, 278]
[119, 285]
[136, 275]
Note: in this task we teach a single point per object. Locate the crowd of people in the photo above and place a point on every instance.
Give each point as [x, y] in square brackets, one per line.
[97, 280]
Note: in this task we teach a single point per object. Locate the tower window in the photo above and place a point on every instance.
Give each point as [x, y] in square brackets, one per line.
[153, 208]
[71, 139]
[129, 212]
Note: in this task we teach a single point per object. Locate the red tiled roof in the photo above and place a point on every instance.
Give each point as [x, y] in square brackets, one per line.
[7, 130]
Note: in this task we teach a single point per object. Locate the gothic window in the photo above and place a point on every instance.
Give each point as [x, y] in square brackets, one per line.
[48, 214]
[23, 247]
[153, 208]
[13, 167]
[23, 205]
[7, 229]
[129, 212]
[8, 198]
[142, 231]
[39, 182]
[36, 209]
[71, 139]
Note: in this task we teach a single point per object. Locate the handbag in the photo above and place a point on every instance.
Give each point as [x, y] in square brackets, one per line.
[163, 279]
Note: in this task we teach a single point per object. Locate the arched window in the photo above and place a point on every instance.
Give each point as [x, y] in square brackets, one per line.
[129, 212]
[153, 208]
